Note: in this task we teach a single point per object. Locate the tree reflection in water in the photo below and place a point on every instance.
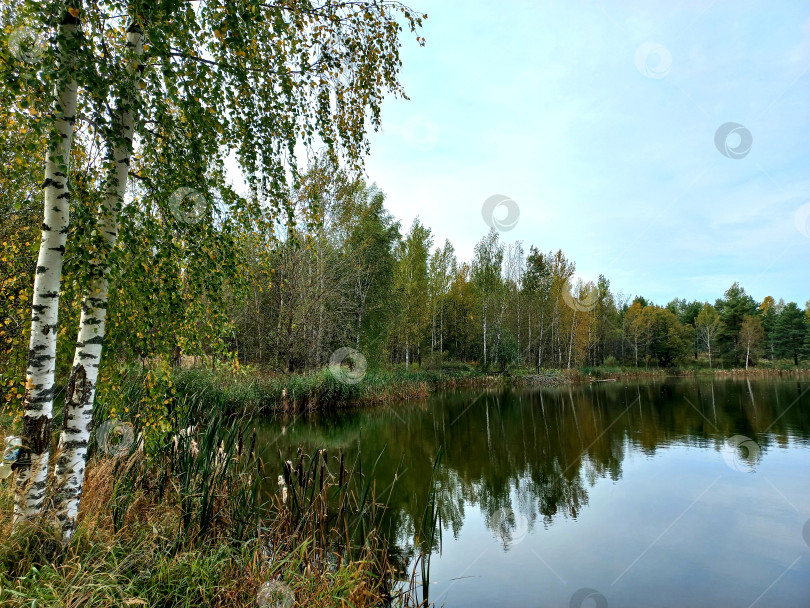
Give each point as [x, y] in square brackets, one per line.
[526, 457]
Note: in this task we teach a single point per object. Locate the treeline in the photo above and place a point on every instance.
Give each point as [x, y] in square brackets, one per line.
[350, 275]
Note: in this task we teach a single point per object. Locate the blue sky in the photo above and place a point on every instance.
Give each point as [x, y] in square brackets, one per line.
[608, 148]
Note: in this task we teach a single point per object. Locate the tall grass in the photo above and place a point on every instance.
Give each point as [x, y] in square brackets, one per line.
[252, 391]
[178, 519]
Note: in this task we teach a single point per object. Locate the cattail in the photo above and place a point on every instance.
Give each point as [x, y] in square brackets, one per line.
[283, 487]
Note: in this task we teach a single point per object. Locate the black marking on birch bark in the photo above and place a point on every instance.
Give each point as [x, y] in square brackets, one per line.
[63, 461]
[59, 173]
[60, 249]
[64, 230]
[84, 355]
[38, 361]
[94, 340]
[36, 434]
[45, 227]
[48, 182]
[42, 269]
[78, 389]
[68, 493]
[64, 195]
[49, 294]
[35, 353]
[92, 321]
[39, 308]
[72, 445]
[38, 403]
[43, 395]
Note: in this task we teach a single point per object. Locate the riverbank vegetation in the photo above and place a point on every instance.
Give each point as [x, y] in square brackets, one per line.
[181, 515]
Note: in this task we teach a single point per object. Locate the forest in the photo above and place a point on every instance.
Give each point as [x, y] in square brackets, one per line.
[348, 274]
[359, 278]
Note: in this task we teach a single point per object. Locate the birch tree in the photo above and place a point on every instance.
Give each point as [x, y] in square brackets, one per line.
[707, 325]
[412, 281]
[751, 337]
[486, 277]
[78, 413]
[32, 465]
[537, 283]
[257, 80]
[440, 273]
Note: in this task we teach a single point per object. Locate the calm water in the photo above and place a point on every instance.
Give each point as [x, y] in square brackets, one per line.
[667, 493]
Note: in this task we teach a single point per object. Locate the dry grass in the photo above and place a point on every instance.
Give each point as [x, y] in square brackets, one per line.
[138, 561]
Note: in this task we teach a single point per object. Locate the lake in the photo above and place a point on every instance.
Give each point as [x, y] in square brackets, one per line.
[675, 492]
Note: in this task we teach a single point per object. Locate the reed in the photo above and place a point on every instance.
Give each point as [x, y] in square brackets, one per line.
[178, 519]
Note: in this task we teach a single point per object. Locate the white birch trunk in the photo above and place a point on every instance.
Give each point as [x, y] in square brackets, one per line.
[540, 346]
[441, 331]
[78, 414]
[709, 347]
[32, 465]
[484, 312]
[529, 347]
[571, 339]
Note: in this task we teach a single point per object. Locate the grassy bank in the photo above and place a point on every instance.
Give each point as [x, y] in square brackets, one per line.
[764, 370]
[178, 520]
[253, 392]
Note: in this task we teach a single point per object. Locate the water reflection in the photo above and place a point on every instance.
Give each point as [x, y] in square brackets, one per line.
[520, 465]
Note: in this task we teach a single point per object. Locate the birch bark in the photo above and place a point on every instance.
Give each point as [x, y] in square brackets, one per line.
[78, 414]
[32, 465]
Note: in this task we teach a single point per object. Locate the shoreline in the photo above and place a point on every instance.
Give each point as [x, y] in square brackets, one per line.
[258, 393]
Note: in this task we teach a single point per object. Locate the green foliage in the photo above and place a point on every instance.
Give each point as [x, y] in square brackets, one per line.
[790, 332]
[506, 350]
[733, 307]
